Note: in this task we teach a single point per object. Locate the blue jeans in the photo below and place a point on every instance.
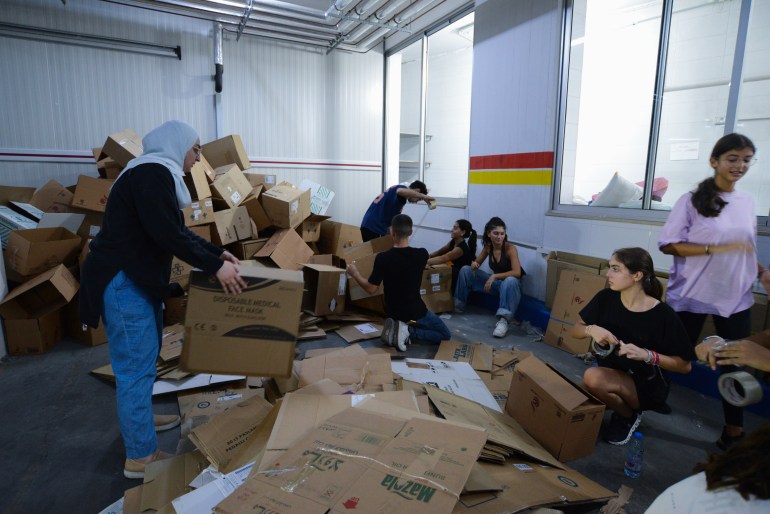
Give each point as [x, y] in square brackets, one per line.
[508, 290]
[430, 328]
[134, 323]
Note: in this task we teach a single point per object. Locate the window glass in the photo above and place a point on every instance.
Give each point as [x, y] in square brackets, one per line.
[753, 118]
[448, 109]
[699, 64]
[613, 64]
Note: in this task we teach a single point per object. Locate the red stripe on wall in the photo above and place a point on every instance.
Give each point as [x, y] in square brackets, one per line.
[512, 160]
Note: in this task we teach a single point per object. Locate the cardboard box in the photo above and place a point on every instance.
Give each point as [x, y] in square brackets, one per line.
[478, 355]
[560, 261]
[436, 288]
[180, 272]
[231, 225]
[575, 290]
[108, 168]
[91, 193]
[174, 309]
[323, 479]
[320, 196]
[558, 413]
[50, 196]
[256, 211]
[199, 213]
[253, 333]
[198, 184]
[33, 251]
[34, 335]
[230, 185]
[45, 293]
[286, 249]
[203, 231]
[27, 210]
[246, 249]
[310, 228]
[206, 167]
[326, 286]
[226, 150]
[336, 237]
[286, 205]
[122, 147]
[349, 366]
[257, 179]
[10, 221]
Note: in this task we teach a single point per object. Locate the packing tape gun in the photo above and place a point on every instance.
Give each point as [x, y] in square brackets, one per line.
[740, 388]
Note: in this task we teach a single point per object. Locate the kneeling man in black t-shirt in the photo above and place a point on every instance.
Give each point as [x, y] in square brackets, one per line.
[400, 269]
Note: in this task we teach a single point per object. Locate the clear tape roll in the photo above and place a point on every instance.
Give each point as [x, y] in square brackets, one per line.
[601, 351]
[740, 388]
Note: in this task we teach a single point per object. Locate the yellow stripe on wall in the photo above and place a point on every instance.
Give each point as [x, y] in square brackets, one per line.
[523, 177]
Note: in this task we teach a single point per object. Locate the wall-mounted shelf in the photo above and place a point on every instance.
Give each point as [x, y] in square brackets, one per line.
[412, 164]
[408, 135]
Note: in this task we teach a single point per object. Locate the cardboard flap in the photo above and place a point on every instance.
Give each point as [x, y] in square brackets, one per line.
[558, 387]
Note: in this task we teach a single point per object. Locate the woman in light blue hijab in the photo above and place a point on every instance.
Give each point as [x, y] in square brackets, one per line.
[126, 277]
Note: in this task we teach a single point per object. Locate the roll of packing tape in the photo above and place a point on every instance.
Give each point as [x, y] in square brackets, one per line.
[740, 388]
[602, 351]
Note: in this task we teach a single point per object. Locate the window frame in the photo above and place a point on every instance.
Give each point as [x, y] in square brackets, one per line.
[423, 37]
[645, 214]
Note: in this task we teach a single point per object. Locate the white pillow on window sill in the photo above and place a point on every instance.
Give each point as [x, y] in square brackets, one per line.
[618, 191]
[637, 204]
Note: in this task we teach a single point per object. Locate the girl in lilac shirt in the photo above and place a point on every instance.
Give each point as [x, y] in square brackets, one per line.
[711, 232]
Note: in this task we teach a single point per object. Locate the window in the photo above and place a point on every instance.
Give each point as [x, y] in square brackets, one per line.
[428, 99]
[650, 88]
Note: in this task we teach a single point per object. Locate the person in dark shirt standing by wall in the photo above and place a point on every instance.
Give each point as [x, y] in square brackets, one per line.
[389, 203]
[126, 277]
[400, 270]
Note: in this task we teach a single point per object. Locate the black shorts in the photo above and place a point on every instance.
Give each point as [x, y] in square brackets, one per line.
[651, 388]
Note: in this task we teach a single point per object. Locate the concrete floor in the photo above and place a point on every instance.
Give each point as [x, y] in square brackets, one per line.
[63, 452]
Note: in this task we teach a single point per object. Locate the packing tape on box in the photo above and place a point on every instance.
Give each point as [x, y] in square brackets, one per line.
[601, 351]
[740, 388]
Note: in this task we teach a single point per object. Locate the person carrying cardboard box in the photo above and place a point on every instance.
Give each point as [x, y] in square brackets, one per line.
[400, 271]
[125, 277]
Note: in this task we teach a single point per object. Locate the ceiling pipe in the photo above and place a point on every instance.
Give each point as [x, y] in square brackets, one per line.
[368, 43]
[219, 68]
[412, 10]
[387, 11]
[338, 6]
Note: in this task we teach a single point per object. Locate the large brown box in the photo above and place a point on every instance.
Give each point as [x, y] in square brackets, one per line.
[336, 237]
[555, 411]
[231, 225]
[45, 293]
[286, 205]
[34, 335]
[310, 228]
[122, 146]
[286, 249]
[253, 333]
[231, 186]
[560, 261]
[325, 289]
[199, 213]
[33, 251]
[436, 288]
[91, 193]
[575, 290]
[226, 150]
[198, 184]
[51, 196]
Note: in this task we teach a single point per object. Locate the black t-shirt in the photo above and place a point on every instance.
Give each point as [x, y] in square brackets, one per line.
[401, 271]
[466, 258]
[657, 329]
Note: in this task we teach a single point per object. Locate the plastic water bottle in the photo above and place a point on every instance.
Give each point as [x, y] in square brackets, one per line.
[633, 467]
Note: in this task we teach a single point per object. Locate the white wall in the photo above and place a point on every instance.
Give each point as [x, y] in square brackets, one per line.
[289, 103]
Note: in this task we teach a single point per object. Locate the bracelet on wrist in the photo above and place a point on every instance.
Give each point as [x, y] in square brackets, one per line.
[648, 360]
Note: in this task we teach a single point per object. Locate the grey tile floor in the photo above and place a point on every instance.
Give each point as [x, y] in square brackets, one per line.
[62, 452]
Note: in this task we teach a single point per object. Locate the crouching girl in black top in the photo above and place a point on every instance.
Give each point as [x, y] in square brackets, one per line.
[644, 338]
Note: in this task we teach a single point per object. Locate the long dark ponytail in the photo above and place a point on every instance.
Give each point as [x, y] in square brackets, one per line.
[706, 199]
[470, 233]
[638, 259]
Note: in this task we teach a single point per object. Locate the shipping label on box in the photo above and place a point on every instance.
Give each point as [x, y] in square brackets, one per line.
[199, 213]
[575, 290]
[253, 333]
[230, 185]
[91, 193]
[226, 150]
[559, 414]
[436, 288]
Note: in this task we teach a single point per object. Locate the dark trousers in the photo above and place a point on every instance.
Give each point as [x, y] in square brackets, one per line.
[737, 326]
[368, 235]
